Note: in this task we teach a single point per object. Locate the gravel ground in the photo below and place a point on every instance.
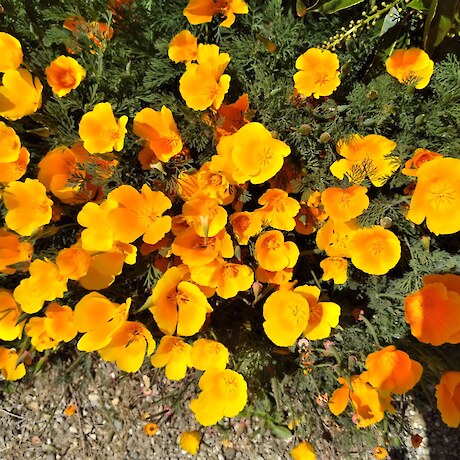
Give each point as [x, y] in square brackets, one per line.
[113, 408]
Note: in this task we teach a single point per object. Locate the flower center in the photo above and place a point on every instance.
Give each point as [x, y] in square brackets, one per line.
[272, 244]
[68, 79]
[442, 196]
[321, 78]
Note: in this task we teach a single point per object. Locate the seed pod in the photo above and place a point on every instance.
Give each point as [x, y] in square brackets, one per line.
[305, 130]
[324, 138]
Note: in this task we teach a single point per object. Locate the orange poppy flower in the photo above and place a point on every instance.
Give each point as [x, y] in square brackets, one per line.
[174, 355]
[223, 161]
[148, 159]
[380, 453]
[214, 184]
[366, 156]
[279, 277]
[98, 318]
[245, 225]
[451, 281]
[420, 157]
[64, 74]
[208, 354]
[323, 315]
[392, 370]
[318, 73]
[10, 329]
[45, 283]
[335, 238]
[278, 209]
[286, 316]
[20, 94]
[433, 313]
[231, 117]
[139, 214]
[178, 304]
[224, 394]
[100, 131]
[447, 399]
[14, 253]
[335, 268]
[303, 451]
[28, 206]
[98, 32]
[10, 52]
[201, 11]
[410, 66]
[9, 366]
[73, 263]
[10, 144]
[190, 441]
[368, 403]
[160, 129]
[183, 47]
[267, 153]
[39, 338]
[273, 254]
[437, 195]
[205, 215]
[197, 250]
[128, 346]
[343, 205]
[58, 322]
[311, 215]
[204, 84]
[375, 250]
[13, 171]
[150, 429]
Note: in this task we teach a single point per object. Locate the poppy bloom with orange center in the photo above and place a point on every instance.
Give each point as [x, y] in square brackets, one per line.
[318, 73]
[231, 117]
[375, 250]
[139, 214]
[28, 206]
[245, 225]
[334, 268]
[178, 305]
[267, 154]
[174, 355]
[278, 209]
[14, 170]
[20, 94]
[64, 74]
[224, 394]
[10, 52]
[448, 398]
[286, 316]
[150, 429]
[273, 253]
[366, 156]
[433, 313]
[10, 329]
[183, 47]
[201, 11]
[410, 66]
[214, 184]
[343, 205]
[209, 354]
[45, 283]
[100, 131]
[392, 370]
[73, 263]
[14, 253]
[437, 195]
[98, 318]
[335, 238]
[160, 129]
[311, 215]
[128, 346]
[10, 144]
[204, 84]
[9, 366]
[420, 157]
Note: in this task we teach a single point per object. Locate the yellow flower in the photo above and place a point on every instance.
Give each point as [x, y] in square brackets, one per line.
[150, 429]
[278, 209]
[303, 451]
[319, 73]
[245, 225]
[128, 346]
[375, 250]
[73, 263]
[39, 337]
[183, 47]
[201, 11]
[286, 316]
[173, 354]
[366, 156]
[273, 254]
[380, 453]
[14, 253]
[190, 441]
[343, 205]
[160, 129]
[10, 144]
[447, 399]
[224, 394]
[334, 268]
[335, 238]
[64, 74]
[58, 322]
[20, 94]
[437, 195]
[420, 157]
[8, 365]
[267, 153]
[100, 131]
[14, 170]
[10, 329]
[10, 52]
[410, 66]
[208, 354]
